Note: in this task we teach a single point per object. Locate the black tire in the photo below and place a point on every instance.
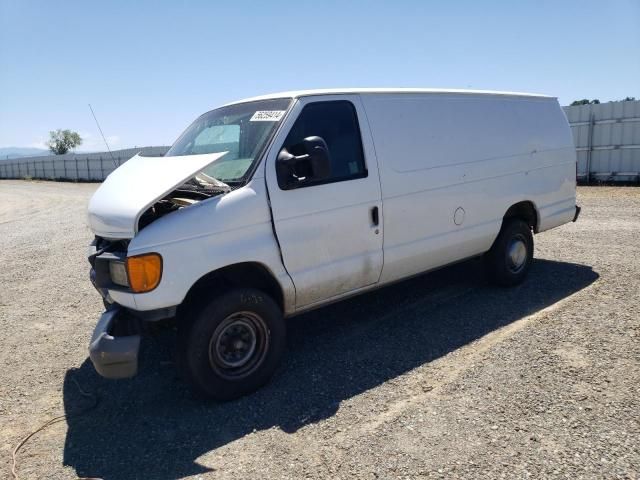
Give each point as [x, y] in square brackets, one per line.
[511, 255]
[233, 344]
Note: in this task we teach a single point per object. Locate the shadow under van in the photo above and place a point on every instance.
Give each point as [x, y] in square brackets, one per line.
[151, 426]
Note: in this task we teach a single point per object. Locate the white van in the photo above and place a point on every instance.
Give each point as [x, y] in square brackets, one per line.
[270, 206]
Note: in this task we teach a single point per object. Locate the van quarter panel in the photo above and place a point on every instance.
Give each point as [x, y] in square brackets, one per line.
[477, 154]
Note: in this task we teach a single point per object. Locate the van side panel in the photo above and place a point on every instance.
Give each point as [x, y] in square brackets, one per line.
[474, 154]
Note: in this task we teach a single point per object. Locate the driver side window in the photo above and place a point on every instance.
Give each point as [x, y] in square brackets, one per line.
[337, 123]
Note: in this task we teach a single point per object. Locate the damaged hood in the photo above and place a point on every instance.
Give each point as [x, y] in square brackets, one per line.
[116, 207]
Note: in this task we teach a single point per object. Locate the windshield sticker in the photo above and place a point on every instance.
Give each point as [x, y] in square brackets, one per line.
[267, 116]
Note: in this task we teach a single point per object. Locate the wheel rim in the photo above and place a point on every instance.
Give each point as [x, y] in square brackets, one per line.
[517, 254]
[238, 345]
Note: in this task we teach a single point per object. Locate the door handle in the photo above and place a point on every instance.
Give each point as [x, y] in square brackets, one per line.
[374, 216]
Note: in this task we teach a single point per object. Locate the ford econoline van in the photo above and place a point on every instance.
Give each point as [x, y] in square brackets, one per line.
[271, 206]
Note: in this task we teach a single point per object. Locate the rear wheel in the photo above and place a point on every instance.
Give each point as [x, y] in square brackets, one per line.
[511, 255]
[233, 345]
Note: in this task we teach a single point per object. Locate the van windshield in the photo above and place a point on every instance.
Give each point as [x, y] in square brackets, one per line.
[242, 130]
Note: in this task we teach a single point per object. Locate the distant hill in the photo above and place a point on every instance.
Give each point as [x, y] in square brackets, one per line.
[17, 152]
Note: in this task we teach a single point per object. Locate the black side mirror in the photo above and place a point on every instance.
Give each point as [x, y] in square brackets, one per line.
[304, 163]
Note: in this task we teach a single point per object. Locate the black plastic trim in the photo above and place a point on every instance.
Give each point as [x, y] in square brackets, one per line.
[578, 210]
[153, 315]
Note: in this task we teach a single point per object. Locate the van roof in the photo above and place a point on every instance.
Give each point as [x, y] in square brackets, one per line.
[344, 91]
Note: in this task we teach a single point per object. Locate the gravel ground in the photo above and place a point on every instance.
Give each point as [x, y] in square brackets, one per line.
[441, 376]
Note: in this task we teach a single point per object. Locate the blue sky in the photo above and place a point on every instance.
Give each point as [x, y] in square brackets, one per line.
[149, 68]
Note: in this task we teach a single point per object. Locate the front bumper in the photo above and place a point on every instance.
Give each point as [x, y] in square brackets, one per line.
[113, 356]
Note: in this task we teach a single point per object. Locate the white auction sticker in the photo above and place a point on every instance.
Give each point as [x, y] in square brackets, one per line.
[267, 116]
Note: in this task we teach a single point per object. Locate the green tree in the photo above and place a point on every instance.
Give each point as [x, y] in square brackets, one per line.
[585, 101]
[61, 141]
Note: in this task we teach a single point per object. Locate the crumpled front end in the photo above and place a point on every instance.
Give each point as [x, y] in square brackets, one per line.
[117, 207]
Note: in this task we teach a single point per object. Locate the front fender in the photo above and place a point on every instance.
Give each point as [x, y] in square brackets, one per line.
[218, 232]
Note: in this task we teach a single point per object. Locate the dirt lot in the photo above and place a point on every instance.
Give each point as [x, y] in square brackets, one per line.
[441, 376]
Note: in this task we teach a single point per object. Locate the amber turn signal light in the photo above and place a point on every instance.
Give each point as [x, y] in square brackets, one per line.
[144, 272]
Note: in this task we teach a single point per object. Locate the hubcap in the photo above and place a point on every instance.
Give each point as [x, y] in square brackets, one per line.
[239, 344]
[517, 254]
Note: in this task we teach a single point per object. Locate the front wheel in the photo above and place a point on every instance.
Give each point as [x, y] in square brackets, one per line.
[510, 257]
[234, 344]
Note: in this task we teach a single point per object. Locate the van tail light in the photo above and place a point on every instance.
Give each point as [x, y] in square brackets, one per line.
[144, 272]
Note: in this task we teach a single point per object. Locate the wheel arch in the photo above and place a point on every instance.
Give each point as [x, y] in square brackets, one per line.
[525, 210]
[246, 275]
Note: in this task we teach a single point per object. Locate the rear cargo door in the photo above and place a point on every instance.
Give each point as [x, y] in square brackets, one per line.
[330, 234]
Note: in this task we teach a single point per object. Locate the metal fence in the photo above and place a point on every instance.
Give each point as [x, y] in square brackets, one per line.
[83, 167]
[607, 140]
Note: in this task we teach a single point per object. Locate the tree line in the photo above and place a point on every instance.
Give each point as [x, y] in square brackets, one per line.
[595, 101]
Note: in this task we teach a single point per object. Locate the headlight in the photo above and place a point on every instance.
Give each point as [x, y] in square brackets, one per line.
[118, 273]
[144, 272]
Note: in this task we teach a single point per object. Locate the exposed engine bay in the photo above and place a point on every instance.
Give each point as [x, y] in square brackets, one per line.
[200, 187]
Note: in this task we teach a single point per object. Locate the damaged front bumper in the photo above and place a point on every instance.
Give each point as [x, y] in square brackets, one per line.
[113, 356]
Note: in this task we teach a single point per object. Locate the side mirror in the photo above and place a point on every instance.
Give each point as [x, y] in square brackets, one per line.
[303, 164]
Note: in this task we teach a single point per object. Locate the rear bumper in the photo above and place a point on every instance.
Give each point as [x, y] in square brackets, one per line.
[113, 356]
[577, 214]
